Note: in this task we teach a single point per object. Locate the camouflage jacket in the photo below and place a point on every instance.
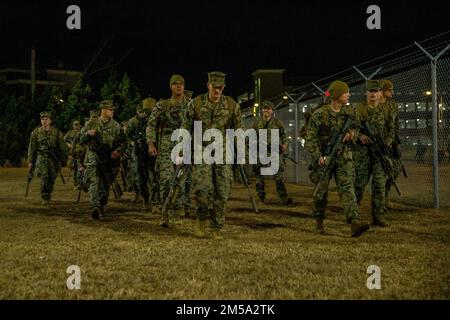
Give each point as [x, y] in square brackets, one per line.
[136, 132]
[379, 118]
[221, 115]
[108, 138]
[392, 106]
[273, 123]
[325, 122]
[45, 142]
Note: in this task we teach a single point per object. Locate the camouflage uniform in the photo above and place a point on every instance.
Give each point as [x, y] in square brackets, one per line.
[46, 148]
[324, 124]
[211, 185]
[391, 105]
[143, 164]
[381, 122]
[71, 138]
[272, 124]
[100, 168]
[165, 118]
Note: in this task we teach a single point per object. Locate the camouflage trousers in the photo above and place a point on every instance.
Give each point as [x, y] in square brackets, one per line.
[45, 169]
[141, 166]
[397, 168]
[211, 188]
[344, 175]
[366, 166]
[279, 184]
[166, 175]
[98, 187]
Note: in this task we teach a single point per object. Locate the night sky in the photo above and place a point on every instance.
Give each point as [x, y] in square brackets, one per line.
[152, 40]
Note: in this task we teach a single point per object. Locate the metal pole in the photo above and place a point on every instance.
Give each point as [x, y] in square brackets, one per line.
[435, 121]
[435, 135]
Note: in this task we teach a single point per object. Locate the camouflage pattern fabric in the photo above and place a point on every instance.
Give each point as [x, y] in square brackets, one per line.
[323, 123]
[211, 184]
[39, 154]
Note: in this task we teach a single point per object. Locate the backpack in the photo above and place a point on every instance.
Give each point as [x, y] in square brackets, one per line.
[307, 118]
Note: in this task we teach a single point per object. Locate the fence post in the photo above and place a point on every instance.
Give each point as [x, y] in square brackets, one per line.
[435, 122]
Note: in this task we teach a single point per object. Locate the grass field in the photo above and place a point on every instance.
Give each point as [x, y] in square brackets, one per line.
[275, 254]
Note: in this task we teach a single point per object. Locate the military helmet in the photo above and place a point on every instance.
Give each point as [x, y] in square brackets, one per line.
[93, 114]
[46, 114]
[337, 89]
[373, 85]
[106, 104]
[76, 123]
[387, 85]
[148, 104]
[216, 78]
[176, 79]
[267, 104]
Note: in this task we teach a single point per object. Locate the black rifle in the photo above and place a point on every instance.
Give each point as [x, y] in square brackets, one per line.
[82, 184]
[245, 180]
[29, 178]
[177, 180]
[397, 154]
[337, 139]
[380, 152]
[290, 158]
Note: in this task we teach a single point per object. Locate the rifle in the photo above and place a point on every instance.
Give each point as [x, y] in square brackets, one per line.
[55, 161]
[82, 183]
[290, 158]
[381, 154]
[29, 178]
[331, 151]
[179, 175]
[396, 154]
[245, 180]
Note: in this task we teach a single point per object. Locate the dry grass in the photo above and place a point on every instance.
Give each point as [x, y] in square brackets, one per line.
[275, 254]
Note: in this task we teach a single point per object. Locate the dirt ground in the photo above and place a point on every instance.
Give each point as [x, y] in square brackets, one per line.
[273, 254]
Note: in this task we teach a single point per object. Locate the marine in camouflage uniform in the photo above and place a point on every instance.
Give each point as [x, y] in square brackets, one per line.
[165, 118]
[105, 143]
[326, 122]
[387, 99]
[142, 164]
[47, 150]
[211, 185]
[71, 138]
[381, 123]
[269, 122]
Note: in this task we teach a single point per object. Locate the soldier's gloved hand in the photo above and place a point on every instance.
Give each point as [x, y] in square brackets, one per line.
[349, 136]
[115, 155]
[30, 165]
[364, 139]
[152, 149]
[321, 161]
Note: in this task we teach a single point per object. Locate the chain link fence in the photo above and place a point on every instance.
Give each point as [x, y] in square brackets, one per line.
[418, 96]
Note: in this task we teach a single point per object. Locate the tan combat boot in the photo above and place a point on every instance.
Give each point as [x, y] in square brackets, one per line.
[217, 234]
[200, 232]
[388, 203]
[137, 198]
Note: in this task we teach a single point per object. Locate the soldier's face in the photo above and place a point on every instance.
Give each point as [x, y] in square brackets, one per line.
[215, 91]
[373, 95]
[388, 93]
[344, 98]
[177, 89]
[267, 112]
[76, 127]
[142, 115]
[107, 113]
[45, 121]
